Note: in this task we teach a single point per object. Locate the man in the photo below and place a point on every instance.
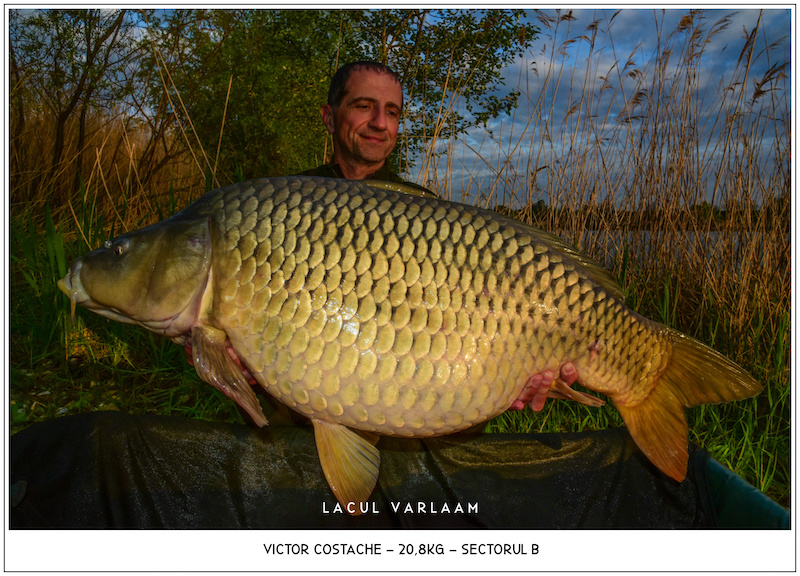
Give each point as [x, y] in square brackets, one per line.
[365, 101]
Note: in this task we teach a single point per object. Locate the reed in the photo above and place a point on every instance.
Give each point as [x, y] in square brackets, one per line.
[622, 172]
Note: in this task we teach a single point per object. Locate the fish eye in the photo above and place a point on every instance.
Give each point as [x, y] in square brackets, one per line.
[120, 248]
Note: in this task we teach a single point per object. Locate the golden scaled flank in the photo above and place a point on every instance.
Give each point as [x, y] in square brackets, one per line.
[384, 314]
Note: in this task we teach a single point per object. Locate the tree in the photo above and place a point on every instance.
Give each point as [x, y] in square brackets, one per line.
[71, 58]
[269, 123]
[279, 64]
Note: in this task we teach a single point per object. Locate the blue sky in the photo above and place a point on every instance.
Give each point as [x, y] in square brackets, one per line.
[500, 157]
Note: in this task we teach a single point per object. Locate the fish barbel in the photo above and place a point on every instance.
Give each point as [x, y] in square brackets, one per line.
[372, 310]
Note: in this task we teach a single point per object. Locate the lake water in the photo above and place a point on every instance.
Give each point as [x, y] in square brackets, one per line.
[716, 249]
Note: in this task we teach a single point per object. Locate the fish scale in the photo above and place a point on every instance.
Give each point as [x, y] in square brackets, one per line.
[373, 310]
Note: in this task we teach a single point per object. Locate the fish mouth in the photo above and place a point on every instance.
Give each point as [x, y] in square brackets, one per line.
[72, 287]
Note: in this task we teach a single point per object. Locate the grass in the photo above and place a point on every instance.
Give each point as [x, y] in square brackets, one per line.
[629, 198]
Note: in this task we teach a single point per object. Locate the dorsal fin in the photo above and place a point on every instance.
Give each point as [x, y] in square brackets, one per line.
[402, 187]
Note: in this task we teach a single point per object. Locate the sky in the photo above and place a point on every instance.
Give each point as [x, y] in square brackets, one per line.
[569, 59]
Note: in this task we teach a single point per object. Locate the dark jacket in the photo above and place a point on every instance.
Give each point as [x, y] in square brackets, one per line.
[383, 173]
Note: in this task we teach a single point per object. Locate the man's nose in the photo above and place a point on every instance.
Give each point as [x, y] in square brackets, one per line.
[379, 119]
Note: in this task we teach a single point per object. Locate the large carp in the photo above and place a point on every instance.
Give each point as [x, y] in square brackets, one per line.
[375, 311]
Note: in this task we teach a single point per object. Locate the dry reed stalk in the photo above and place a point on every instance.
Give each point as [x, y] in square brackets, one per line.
[222, 125]
[163, 69]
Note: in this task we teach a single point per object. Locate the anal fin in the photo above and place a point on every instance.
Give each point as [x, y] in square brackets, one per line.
[658, 426]
[214, 365]
[350, 463]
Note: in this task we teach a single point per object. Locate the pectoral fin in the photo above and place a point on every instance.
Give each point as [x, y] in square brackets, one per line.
[215, 366]
[350, 463]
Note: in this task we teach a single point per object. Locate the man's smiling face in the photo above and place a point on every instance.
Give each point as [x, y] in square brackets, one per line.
[365, 124]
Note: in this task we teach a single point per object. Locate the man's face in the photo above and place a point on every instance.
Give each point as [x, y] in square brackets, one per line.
[365, 124]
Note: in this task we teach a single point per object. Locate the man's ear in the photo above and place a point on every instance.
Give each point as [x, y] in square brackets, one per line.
[327, 117]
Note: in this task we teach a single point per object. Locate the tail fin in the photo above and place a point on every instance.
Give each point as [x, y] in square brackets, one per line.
[695, 374]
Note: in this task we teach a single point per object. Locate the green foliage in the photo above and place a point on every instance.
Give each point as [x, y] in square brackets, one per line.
[39, 261]
[234, 94]
[271, 117]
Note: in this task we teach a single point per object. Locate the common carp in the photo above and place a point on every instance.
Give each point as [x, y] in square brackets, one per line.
[373, 310]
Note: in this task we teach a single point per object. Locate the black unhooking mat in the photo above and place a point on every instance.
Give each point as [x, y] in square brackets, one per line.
[108, 469]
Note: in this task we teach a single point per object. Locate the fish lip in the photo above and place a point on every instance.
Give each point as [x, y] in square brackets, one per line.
[72, 287]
